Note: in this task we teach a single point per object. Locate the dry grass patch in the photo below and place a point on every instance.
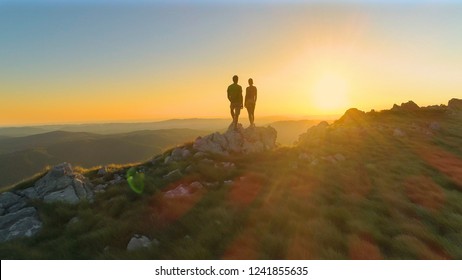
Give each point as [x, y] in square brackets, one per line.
[245, 189]
[363, 248]
[443, 161]
[423, 191]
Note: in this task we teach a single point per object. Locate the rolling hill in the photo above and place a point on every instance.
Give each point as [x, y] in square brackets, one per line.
[22, 157]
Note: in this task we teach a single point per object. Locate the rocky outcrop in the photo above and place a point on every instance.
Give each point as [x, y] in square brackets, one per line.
[22, 223]
[406, 107]
[238, 141]
[61, 183]
[17, 220]
[352, 115]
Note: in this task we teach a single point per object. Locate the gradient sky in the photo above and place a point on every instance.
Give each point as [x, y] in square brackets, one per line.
[96, 61]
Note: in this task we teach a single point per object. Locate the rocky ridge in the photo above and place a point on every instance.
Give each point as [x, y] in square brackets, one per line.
[406, 120]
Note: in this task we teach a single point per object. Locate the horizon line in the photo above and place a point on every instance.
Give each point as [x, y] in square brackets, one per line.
[103, 122]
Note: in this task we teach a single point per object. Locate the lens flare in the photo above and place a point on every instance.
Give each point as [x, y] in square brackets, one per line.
[135, 180]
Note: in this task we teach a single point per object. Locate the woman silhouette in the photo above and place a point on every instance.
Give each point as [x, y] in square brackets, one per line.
[250, 101]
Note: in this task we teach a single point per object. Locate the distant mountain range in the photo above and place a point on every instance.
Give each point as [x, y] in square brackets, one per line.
[25, 151]
[21, 157]
[216, 124]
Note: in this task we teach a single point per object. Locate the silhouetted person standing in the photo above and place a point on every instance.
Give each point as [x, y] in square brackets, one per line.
[235, 97]
[250, 101]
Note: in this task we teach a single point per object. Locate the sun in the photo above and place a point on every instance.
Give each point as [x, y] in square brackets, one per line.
[330, 93]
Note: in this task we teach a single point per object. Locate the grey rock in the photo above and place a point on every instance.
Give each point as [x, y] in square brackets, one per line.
[82, 190]
[7, 199]
[177, 154]
[2, 211]
[116, 179]
[17, 206]
[61, 170]
[25, 227]
[179, 191]
[67, 195]
[30, 193]
[11, 218]
[59, 184]
[138, 242]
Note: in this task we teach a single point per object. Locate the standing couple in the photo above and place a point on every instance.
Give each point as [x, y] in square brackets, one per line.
[235, 97]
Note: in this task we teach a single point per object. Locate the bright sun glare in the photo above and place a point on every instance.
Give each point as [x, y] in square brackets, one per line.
[330, 93]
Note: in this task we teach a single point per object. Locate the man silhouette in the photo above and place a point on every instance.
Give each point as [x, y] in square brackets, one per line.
[250, 100]
[235, 98]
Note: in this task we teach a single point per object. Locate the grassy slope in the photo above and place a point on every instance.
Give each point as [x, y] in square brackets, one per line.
[392, 198]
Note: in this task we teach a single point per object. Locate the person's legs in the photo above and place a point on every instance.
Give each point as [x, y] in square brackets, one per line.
[232, 111]
[237, 111]
[250, 110]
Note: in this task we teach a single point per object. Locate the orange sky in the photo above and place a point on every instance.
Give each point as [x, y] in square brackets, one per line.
[96, 63]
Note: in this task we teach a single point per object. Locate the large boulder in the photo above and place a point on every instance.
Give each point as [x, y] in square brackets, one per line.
[16, 219]
[138, 242]
[238, 141]
[61, 183]
[22, 223]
